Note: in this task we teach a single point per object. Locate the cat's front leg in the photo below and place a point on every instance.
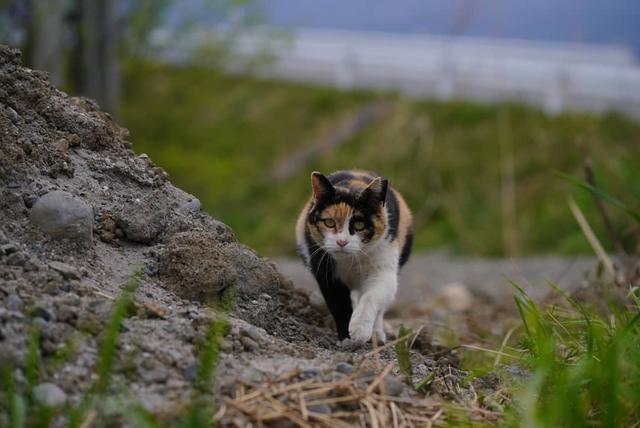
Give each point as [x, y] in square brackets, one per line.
[378, 293]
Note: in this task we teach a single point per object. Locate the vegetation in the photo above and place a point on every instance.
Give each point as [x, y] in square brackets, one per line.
[480, 179]
[99, 407]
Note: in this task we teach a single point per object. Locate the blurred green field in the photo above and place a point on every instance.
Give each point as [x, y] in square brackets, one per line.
[480, 179]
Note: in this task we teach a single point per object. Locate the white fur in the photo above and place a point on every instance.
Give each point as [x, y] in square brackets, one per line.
[372, 276]
[370, 271]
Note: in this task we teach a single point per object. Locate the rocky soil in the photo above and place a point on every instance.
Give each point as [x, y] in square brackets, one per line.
[81, 214]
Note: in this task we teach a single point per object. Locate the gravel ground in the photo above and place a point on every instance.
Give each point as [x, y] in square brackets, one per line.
[81, 214]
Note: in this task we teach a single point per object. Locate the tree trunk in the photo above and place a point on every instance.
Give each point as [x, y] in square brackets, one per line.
[45, 38]
[99, 76]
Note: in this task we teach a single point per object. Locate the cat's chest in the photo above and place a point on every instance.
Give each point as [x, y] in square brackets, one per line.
[354, 271]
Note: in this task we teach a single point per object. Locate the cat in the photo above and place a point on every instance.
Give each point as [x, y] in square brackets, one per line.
[354, 235]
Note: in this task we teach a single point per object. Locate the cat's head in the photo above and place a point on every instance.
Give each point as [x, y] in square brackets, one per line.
[349, 218]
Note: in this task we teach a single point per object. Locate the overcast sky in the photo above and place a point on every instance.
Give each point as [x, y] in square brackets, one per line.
[594, 21]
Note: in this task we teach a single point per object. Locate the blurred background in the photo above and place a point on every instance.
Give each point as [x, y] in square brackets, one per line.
[471, 108]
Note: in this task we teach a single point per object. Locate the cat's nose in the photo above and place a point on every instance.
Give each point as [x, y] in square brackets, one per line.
[342, 242]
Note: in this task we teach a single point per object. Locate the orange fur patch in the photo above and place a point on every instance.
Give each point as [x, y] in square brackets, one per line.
[339, 212]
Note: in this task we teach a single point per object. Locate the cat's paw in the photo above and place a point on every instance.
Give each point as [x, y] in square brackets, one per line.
[381, 336]
[348, 345]
[360, 330]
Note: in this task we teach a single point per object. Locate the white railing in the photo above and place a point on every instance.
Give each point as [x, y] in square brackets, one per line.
[554, 76]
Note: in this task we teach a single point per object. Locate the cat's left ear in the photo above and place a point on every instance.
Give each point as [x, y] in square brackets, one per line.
[321, 186]
[377, 189]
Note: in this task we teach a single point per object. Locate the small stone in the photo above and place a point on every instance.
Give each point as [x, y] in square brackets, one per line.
[13, 115]
[29, 200]
[249, 344]
[193, 205]
[253, 333]
[227, 346]
[393, 386]
[345, 368]
[455, 296]
[67, 271]
[9, 356]
[8, 248]
[40, 312]
[143, 220]
[323, 409]
[309, 373]
[50, 395]
[152, 402]
[63, 215]
[14, 302]
[39, 323]
[19, 258]
[190, 372]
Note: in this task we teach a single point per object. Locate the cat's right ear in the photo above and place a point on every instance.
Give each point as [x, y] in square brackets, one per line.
[321, 186]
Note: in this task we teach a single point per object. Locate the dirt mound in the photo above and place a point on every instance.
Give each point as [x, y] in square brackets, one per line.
[80, 214]
[84, 220]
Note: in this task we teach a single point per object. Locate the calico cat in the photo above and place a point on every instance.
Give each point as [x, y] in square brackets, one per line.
[354, 235]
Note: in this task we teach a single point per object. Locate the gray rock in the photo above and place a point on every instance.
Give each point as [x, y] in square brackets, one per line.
[63, 215]
[8, 248]
[14, 302]
[67, 271]
[152, 402]
[345, 368]
[50, 395]
[41, 312]
[253, 333]
[393, 386]
[324, 409]
[190, 372]
[144, 219]
[193, 205]
[19, 258]
[9, 356]
[40, 323]
[249, 344]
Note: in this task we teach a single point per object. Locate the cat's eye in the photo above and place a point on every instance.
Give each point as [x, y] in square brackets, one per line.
[358, 225]
[329, 222]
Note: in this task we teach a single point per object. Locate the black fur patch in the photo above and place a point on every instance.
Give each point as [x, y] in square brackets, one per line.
[340, 176]
[393, 211]
[406, 248]
[336, 295]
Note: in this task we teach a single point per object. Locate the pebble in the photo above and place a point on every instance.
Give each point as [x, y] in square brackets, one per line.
[14, 302]
[50, 395]
[63, 215]
[40, 312]
[393, 386]
[190, 372]
[67, 271]
[193, 205]
[324, 409]
[345, 368]
[253, 333]
[249, 344]
[39, 323]
[8, 248]
[455, 296]
[19, 258]
[310, 373]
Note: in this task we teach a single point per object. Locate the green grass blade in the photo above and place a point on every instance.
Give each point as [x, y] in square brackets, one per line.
[602, 194]
[402, 353]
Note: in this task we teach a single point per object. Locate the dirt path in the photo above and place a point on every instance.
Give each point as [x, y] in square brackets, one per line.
[428, 277]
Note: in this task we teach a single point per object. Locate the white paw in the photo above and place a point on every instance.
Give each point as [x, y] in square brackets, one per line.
[381, 336]
[360, 330]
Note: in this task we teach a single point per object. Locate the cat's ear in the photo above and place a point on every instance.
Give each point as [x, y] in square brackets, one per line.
[321, 186]
[377, 189]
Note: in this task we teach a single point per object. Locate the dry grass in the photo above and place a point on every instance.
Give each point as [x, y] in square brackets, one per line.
[354, 402]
